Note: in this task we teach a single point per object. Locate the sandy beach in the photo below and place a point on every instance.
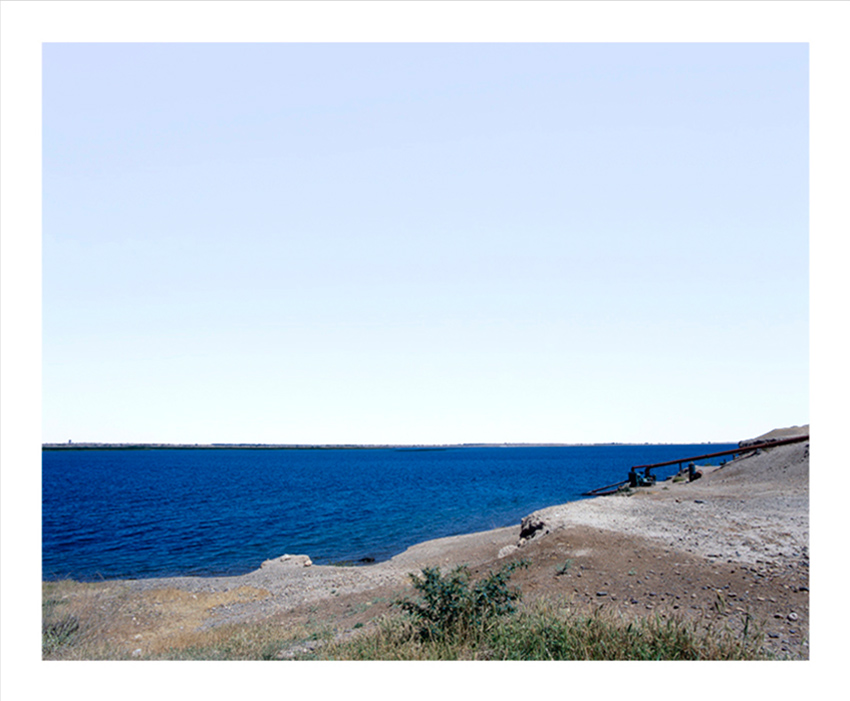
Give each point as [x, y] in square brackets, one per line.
[731, 544]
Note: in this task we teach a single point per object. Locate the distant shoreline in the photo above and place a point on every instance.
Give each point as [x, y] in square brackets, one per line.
[329, 446]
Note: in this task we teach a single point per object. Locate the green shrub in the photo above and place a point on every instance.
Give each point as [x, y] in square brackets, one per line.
[451, 607]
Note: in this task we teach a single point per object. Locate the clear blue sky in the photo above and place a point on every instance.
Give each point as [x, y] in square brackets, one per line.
[424, 243]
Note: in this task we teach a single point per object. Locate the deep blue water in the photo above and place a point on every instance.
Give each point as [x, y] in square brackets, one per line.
[157, 513]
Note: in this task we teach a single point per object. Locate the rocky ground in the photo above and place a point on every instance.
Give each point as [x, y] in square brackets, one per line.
[729, 549]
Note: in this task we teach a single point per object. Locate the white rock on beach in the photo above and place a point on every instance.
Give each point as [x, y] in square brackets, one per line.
[288, 561]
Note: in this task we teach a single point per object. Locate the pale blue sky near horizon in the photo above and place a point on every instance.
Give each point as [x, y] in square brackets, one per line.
[424, 243]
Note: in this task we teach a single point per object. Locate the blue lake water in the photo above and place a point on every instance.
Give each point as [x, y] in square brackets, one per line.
[166, 512]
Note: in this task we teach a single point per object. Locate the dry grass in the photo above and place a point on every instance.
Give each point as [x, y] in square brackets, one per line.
[104, 621]
[94, 621]
[551, 630]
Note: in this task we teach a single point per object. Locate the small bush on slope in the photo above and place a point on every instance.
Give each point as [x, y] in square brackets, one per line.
[451, 607]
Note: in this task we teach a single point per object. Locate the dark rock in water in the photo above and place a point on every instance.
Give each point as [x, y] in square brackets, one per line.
[366, 560]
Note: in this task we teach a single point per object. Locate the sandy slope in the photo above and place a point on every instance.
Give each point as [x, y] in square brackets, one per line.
[753, 509]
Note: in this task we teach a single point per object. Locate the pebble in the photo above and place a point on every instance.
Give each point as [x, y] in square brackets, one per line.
[792, 616]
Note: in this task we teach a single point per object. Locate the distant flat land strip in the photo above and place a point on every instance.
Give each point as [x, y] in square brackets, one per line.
[329, 446]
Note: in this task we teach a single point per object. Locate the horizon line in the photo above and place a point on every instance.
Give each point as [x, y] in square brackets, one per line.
[141, 444]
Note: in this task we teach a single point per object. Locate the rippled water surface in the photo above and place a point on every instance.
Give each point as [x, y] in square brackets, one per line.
[155, 513]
